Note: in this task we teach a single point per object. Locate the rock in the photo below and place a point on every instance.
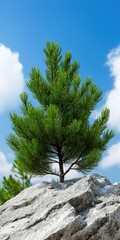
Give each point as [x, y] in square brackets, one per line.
[84, 209]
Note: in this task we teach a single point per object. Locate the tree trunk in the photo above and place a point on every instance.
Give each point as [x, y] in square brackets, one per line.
[61, 169]
[61, 178]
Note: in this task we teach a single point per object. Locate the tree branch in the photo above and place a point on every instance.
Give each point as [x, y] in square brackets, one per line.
[52, 173]
[75, 162]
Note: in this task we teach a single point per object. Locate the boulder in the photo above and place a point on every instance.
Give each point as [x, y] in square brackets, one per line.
[78, 209]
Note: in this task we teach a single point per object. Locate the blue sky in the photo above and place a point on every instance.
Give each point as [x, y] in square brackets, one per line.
[89, 29]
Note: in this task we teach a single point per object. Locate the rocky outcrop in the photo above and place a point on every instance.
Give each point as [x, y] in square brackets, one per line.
[88, 208]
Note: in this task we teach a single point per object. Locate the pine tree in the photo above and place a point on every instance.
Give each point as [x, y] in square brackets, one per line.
[11, 186]
[20, 174]
[59, 130]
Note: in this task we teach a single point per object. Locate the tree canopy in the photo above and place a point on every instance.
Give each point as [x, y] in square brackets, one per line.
[57, 135]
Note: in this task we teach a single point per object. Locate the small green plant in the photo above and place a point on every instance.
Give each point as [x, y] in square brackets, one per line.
[11, 186]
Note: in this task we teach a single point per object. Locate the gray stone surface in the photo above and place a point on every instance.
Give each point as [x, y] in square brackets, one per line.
[84, 209]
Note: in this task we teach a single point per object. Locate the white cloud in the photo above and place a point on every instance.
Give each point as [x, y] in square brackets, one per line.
[112, 100]
[47, 178]
[11, 78]
[5, 166]
[113, 96]
[112, 158]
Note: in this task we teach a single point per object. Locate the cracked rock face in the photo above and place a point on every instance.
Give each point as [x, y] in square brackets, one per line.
[84, 209]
